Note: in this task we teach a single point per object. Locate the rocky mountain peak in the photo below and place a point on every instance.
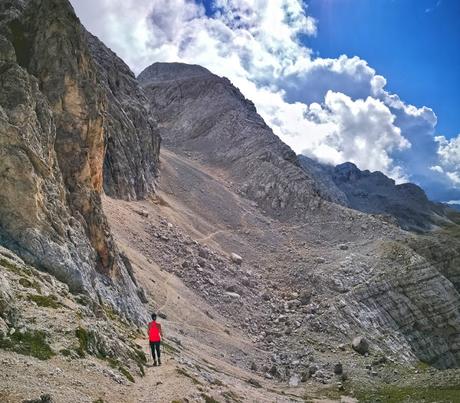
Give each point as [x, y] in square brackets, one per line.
[376, 193]
[158, 72]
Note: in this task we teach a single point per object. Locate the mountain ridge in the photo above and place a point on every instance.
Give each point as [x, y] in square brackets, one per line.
[376, 193]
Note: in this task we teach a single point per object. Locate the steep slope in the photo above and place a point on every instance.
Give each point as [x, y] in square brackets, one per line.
[374, 192]
[54, 128]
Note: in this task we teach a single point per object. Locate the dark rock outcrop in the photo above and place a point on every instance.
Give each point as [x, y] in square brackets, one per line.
[53, 118]
[375, 193]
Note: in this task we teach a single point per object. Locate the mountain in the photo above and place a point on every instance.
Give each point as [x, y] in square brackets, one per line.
[375, 193]
[202, 113]
[269, 286]
[208, 126]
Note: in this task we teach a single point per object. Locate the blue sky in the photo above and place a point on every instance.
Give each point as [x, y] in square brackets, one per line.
[374, 82]
[414, 44]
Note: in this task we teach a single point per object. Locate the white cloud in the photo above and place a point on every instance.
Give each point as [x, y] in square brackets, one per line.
[449, 151]
[362, 131]
[449, 157]
[334, 109]
[437, 168]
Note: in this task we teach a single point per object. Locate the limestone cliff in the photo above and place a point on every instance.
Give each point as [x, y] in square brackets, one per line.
[55, 123]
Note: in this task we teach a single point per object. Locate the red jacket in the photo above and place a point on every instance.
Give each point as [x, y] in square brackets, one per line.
[154, 332]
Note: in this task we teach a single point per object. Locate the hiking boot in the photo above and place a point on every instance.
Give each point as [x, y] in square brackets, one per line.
[155, 363]
[159, 362]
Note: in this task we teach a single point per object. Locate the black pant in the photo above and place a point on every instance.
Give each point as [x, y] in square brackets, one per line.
[155, 346]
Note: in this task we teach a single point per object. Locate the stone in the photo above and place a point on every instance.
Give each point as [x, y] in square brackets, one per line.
[142, 213]
[236, 258]
[320, 260]
[254, 382]
[360, 345]
[273, 371]
[294, 380]
[203, 253]
[45, 398]
[338, 368]
[4, 329]
[6, 297]
[233, 295]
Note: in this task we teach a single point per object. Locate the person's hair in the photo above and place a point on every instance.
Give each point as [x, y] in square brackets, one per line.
[154, 316]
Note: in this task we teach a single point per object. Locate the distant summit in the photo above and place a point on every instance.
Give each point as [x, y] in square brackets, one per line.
[376, 193]
[159, 72]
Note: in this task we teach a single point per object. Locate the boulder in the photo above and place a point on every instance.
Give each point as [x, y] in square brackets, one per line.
[203, 253]
[360, 345]
[294, 380]
[236, 258]
[338, 368]
[233, 295]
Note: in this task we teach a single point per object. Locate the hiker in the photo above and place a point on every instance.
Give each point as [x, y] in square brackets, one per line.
[155, 336]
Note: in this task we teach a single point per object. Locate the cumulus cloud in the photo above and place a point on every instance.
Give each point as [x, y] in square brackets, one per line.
[449, 157]
[332, 109]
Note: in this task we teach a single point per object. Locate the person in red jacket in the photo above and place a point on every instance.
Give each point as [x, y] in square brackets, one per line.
[155, 336]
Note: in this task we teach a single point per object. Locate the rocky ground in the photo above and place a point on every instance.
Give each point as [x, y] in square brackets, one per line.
[237, 327]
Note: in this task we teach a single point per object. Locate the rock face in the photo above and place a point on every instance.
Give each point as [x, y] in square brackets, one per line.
[131, 135]
[374, 192]
[202, 113]
[323, 177]
[53, 120]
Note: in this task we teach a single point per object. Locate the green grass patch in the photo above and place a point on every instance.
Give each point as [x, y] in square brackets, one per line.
[83, 339]
[138, 355]
[83, 300]
[126, 373]
[14, 268]
[183, 372]
[66, 352]
[452, 230]
[217, 382]
[46, 301]
[231, 396]
[110, 313]
[394, 394]
[31, 342]
[209, 399]
[169, 348]
[26, 283]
